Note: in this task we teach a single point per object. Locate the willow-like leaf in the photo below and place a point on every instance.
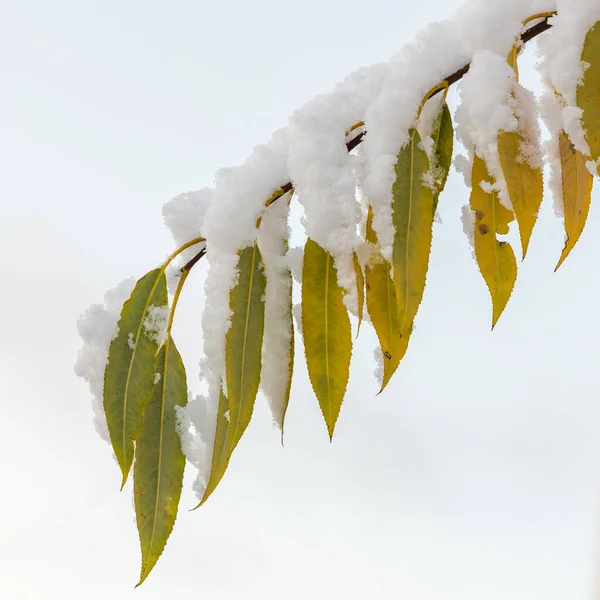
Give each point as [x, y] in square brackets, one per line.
[221, 449]
[243, 343]
[360, 290]
[588, 93]
[290, 369]
[129, 374]
[382, 307]
[326, 330]
[443, 140]
[577, 184]
[413, 212]
[496, 259]
[159, 462]
[525, 183]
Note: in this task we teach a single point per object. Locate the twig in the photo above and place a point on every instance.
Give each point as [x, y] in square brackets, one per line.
[455, 77]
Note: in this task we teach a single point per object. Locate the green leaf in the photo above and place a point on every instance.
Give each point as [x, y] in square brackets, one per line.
[360, 290]
[290, 368]
[576, 185]
[413, 212]
[221, 449]
[159, 462]
[443, 140]
[326, 330]
[129, 374]
[382, 307]
[588, 93]
[496, 259]
[243, 343]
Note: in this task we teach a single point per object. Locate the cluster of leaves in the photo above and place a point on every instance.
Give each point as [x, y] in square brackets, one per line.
[145, 380]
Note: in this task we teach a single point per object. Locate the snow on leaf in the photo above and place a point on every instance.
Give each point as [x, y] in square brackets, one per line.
[588, 93]
[496, 259]
[413, 213]
[243, 344]
[278, 341]
[129, 374]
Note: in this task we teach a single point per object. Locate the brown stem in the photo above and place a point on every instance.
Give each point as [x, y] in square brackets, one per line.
[455, 77]
[190, 263]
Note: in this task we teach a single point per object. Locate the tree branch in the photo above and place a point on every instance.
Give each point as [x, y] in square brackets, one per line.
[453, 78]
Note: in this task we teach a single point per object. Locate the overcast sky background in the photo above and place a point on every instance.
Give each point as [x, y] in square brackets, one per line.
[474, 476]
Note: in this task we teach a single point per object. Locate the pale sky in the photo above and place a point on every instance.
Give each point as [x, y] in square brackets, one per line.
[474, 476]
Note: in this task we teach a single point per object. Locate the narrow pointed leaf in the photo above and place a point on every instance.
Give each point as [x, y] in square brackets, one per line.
[588, 93]
[129, 374]
[525, 184]
[243, 344]
[326, 330]
[290, 369]
[360, 290]
[413, 213]
[221, 450]
[496, 259]
[443, 139]
[159, 462]
[577, 184]
[382, 307]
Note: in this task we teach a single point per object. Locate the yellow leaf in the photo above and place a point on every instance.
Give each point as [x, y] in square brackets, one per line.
[382, 307]
[360, 290]
[525, 184]
[577, 184]
[588, 93]
[243, 343]
[496, 259]
[326, 329]
[413, 213]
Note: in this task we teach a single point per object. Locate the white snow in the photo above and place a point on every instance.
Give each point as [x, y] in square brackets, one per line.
[322, 169]
[97, 327]
[184, 214]
[311, 153]
[155, 323]
[561, 70]
[273, 242]
[485, 110]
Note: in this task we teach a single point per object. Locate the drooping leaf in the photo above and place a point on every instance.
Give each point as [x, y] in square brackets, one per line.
[496, 259]
[360, 290]
[577, 184]
[243, 343]
[326, 329]
[588, 93]
[443, 139]
[413, 213]
[221, 449]
[290, 368]
[159, 461]
[129, 374]
[525, 184]
[278, 342]
[382, 307]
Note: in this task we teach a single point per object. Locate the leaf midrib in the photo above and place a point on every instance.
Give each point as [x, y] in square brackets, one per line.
[329, 404]
[234, 437]
[130, 368]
